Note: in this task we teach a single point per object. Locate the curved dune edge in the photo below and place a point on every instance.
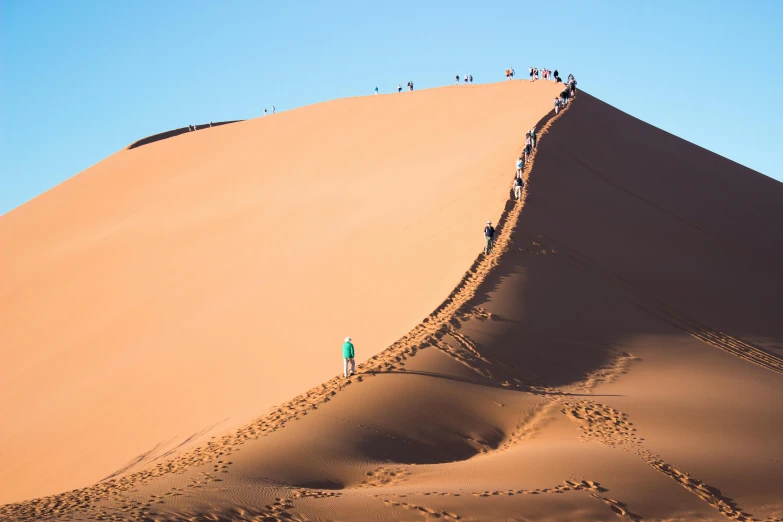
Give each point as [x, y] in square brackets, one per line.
[427, 333]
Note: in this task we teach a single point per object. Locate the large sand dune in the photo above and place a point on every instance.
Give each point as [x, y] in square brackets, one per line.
[620, 356]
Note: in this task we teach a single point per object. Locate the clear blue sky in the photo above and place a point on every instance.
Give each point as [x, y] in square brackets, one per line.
[80, 80]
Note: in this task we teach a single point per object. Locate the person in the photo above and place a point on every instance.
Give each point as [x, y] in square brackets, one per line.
[520, 165]
[530, 73]
[533, 137]
[528, 150]
[512, 72]
[508, 74]
[410, 85]
[489, 237]
[556, 73]
[456, 79]
[264, 111]
[518, 184]
[471, 79]
[273, 109]
[376, 89]
[528, 140]
[399, 88]
[557, 104]
[466, 79]
[348, 360]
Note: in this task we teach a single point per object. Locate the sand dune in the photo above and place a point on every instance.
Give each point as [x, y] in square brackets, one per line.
[192, 283]
[619, 356]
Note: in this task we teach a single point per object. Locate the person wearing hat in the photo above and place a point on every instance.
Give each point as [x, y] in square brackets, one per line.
[348, 358]
[489, 235]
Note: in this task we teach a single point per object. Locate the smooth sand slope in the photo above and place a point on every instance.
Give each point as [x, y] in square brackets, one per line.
[619, 357]
[192, 283]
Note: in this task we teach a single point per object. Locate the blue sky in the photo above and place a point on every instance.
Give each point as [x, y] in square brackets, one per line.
[80, 80]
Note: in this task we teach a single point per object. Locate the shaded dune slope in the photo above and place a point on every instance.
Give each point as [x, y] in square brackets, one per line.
[617, 357]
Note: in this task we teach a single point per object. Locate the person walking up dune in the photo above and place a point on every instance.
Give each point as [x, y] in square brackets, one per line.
[533, 137]
[456, 79]
[557, 104]
[489, 237]
[520, 164]
[518, 184]
[399, 88]
[470, 77]
[528, 150]
[348, 360]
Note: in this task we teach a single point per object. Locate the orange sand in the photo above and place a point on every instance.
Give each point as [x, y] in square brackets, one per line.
[618, 356]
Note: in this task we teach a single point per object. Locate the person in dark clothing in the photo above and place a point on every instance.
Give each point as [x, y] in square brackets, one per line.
[528, 151]
[556, 75]
[456, 78]
[533, 137]
[489, 237]
[470, 78]
[518, 184]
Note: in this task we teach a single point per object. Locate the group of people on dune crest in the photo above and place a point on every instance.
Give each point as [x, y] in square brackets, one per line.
[349, 363]
[568, 93]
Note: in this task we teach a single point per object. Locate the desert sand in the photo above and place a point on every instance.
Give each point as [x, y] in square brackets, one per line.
[172, 319]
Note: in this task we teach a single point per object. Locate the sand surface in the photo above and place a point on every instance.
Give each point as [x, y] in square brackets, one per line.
[619, 356]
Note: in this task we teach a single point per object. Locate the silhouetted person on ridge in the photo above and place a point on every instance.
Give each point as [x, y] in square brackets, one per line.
[471, 78]
[489, 237]
[376, 89]
[273, 109]
[456, 79]
[348, 360]
[399, 88]
[264, 111]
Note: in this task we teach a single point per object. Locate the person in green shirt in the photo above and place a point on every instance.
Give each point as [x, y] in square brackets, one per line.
[348, 358]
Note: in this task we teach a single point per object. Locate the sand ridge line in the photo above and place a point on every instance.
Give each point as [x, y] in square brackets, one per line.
[396, 354]
[612, 428]
[646, 301]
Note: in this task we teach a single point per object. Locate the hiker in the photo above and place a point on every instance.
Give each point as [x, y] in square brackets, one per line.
[489, 237]
[456, 79]
[348, 358]
[533, 137]
[557, 104]
[512, 72]
[508, 74]
[520, 165]
[376, 89]
[530, 73]
[264, 111]
[399, 88]
[518, 184]
[466, 79]
[410, 85]
[273, 109]
[528, 141]
[528, 150]
[471, 79]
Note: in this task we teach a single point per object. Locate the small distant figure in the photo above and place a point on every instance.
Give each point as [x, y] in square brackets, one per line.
[273, 109]
[456, 79]
[210, 124]
[564, 98]
[557, 104]
[533, 137]
[508, 74]
[528, 150]
[520, 165]
[530, 73]
[471, 79]
[376, 89]
[399, 88]
[264, 111]
[556, 73]
[518, 184]
[512, 72]
[348, 360]
[489, 238]
[410, 85]
[466, 79]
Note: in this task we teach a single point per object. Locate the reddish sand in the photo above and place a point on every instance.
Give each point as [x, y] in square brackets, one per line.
[619, 356]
